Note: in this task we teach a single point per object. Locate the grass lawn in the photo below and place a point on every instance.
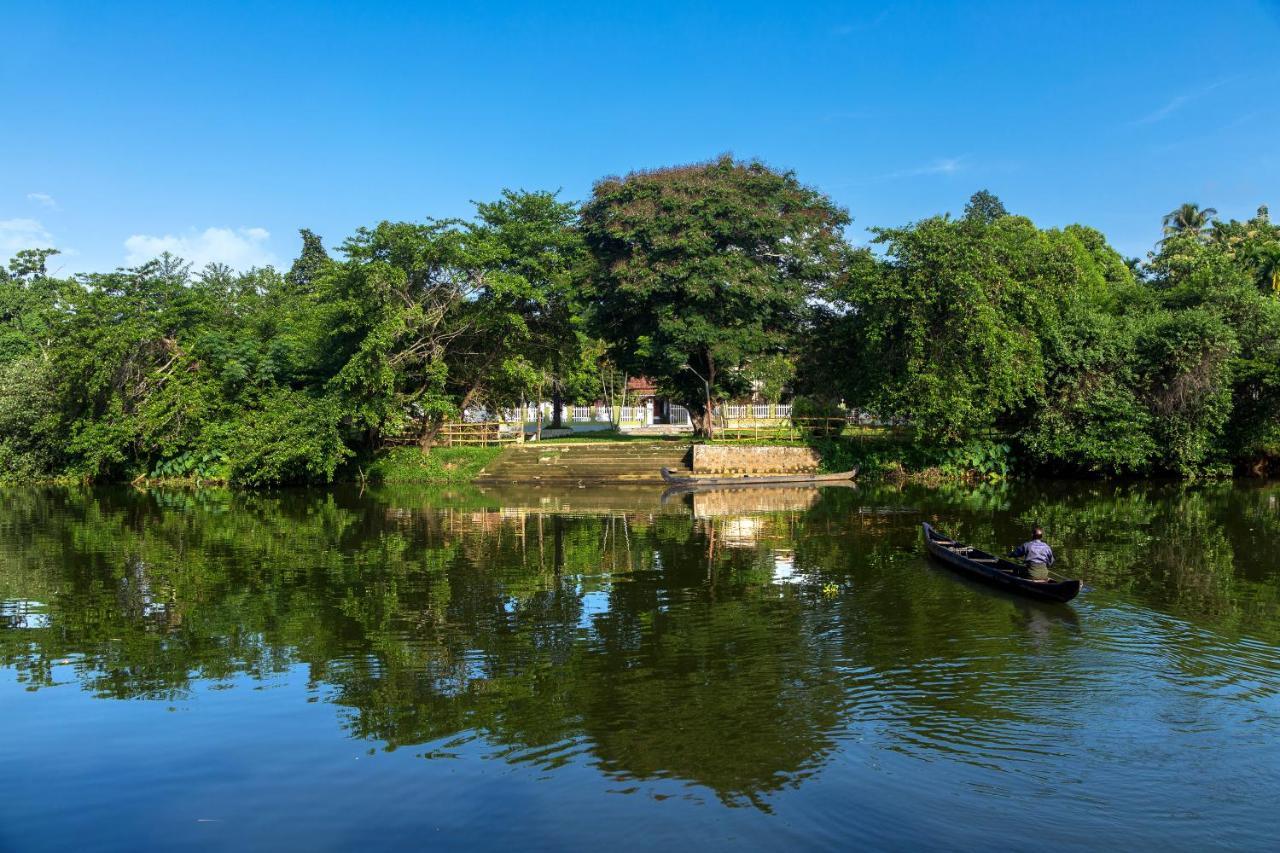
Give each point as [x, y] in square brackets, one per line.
[441, 465]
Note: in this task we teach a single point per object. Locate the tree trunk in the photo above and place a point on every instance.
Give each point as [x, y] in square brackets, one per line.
[557, 403]
[622, 403]
[709, 417]
[703, 420]
[430, 429]
[708, 423]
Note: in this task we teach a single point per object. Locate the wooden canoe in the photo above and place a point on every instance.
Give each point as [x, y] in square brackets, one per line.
[993, 570]
[763, 480]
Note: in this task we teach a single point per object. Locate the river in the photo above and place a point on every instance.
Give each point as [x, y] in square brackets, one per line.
[581, 668]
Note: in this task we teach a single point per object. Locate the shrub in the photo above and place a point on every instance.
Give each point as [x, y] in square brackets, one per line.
[817, 417]
[292, 438]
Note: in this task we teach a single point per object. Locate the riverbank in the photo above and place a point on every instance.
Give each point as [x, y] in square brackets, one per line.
[627, 460]
[442, 465]
[621, 458]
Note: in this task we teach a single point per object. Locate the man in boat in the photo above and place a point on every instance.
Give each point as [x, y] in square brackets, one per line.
[1036, 555]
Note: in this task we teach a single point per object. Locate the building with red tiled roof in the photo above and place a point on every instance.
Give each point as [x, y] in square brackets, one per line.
[642, 386]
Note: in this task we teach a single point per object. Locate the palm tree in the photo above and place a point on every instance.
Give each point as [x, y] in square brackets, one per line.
[1266, 260]
[1188, 218]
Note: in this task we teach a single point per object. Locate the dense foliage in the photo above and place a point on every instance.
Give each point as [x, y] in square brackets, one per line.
[713, 280]
[703, 271]
[988, 324]
[259, 377]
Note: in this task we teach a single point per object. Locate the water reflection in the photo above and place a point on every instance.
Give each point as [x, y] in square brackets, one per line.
[688, 640]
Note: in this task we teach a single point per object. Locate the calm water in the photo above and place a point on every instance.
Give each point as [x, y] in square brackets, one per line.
[570, 669]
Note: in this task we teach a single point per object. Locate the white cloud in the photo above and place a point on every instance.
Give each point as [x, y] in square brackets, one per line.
[240, 248]
[1165, 111]
[942, 166]
[1178, 103]
[16, 234]
[43, 199]
[849, 29]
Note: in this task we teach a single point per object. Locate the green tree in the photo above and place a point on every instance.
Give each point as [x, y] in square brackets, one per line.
[1254, 246]
[30, 418]
[1188, 218]
[428, 320]
[1228, 277]
[1185, 361]
[539, 248]
[31, 263]
[31, 305]
[700, 269]
[310, 263]
[947, 330]
[771, 374]
[984, 207]
[1092, 417]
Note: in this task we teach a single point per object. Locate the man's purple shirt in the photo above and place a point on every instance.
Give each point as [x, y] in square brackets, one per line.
[1035, 551]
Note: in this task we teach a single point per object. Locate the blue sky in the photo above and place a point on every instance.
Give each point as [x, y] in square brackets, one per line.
[218, 129]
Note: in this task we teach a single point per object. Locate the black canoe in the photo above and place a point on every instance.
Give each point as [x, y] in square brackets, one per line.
[996, 571]
[762, 480]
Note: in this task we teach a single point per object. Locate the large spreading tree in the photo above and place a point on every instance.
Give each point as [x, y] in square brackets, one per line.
[953, 328]
[701, 270]
[427, 320]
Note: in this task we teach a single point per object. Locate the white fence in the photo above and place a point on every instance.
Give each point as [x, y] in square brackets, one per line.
[729, 414]
[597, 414]
[594, 414]
[529, 414]
[754, 411]
[591, 414]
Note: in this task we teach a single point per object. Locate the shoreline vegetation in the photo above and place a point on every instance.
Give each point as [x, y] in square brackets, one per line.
[717, 282]
[891, 462]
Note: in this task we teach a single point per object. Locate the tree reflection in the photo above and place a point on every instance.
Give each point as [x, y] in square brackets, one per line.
[685, 641]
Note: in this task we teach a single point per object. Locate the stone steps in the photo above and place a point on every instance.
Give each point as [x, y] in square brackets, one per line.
[595, 462]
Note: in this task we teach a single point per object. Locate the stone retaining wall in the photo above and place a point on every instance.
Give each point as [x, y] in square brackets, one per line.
[738, 459]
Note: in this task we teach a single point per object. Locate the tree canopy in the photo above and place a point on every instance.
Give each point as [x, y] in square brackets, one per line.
[714, 280]
[984, 206]
[1188, 218]
[700, 270]
[989, 325]
[265, 378]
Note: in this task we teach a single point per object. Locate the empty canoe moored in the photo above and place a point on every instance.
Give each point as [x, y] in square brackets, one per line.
[676, 480]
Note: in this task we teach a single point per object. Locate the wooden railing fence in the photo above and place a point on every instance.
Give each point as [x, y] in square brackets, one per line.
[474, 434]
